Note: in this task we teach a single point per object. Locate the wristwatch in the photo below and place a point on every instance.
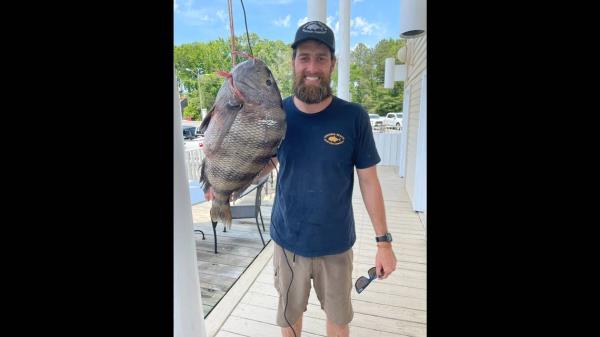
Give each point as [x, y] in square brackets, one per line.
[387, 237]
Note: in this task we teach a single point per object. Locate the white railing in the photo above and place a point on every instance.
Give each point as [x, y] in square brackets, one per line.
[193, 163]
[387, 143]
[388, 147]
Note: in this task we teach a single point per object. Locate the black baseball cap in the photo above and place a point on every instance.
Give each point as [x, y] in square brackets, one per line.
[315, 30]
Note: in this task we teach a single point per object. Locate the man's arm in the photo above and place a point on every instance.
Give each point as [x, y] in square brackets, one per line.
[385, 260]
[267, 169]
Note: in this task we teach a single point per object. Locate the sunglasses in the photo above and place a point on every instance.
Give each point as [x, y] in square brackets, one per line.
[363, 282]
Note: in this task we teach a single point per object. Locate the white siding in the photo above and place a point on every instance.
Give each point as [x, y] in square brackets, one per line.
[411, 148]
[416, 65]
[420, 192]
[403, 138]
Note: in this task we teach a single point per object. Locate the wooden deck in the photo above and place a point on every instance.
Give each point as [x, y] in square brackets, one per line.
[387, 308]
[237, 248]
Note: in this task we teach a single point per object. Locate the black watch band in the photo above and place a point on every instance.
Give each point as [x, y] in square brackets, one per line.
[387, 237]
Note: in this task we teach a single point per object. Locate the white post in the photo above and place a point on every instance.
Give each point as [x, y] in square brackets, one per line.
[388, 81]
[343, 48]
[188, 316]
[317, 10]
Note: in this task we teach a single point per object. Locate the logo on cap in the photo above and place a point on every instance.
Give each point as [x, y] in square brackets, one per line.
[315, 27]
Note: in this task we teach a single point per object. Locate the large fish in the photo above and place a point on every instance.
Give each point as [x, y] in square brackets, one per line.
[241, 133]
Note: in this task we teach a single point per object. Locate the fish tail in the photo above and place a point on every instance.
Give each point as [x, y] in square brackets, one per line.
[221, 210]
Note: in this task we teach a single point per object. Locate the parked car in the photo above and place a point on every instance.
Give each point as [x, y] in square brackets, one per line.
[189, 132]
[376, 121]
[393, 120]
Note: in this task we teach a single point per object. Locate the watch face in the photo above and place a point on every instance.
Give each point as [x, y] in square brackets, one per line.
[385, 238]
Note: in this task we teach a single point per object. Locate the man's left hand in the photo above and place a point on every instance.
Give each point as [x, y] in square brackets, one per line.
[385, 260]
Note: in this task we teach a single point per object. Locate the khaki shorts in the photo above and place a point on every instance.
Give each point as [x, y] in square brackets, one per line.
[332, 279]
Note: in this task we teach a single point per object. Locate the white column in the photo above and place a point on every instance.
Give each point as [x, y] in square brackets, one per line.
[343, 51]
[188, 316]
[317, 10]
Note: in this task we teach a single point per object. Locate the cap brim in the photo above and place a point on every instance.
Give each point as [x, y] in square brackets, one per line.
[296, 43]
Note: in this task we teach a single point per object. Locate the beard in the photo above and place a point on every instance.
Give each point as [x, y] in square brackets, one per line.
[312, 94]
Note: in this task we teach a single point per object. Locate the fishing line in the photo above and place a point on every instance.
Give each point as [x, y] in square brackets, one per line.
[246, 23]
[286, 260]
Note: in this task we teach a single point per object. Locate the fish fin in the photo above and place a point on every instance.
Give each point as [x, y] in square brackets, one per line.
[203, 177]
[206, 120]
[236, 194]
[220, 210]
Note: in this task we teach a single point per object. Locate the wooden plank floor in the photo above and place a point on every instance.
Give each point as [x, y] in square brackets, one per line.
[387, 308]
[236, 248]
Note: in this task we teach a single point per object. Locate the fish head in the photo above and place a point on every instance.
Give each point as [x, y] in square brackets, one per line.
[256, 83]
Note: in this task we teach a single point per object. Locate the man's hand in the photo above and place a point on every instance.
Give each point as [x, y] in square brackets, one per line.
[385, 260]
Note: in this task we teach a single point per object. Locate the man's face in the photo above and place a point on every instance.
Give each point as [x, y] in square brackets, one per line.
[312, 72]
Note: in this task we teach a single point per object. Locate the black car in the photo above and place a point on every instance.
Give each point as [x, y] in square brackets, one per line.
[189, 132]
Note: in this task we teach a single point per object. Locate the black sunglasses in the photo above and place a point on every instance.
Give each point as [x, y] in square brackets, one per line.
[363, 282]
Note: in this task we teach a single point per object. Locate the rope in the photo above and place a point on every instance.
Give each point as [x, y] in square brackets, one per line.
[233, 52]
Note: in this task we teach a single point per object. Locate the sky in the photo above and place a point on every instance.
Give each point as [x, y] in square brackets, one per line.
[206, 20]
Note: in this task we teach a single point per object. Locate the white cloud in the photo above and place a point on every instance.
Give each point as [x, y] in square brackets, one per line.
[222, 16]
[360, 26]
[330, 22]
[355, 1]
[191, 16]
[195, 17]
[283, 22]
[302, 21]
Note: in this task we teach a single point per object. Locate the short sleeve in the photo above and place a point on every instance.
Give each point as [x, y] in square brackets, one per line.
[365, 151]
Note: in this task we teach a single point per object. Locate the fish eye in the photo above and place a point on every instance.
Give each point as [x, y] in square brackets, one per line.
[269, 82]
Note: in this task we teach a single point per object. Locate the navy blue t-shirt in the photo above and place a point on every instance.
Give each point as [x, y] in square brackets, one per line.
[312, 213]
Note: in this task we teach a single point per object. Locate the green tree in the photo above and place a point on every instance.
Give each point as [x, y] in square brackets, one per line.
[192, 110]
[196, 65]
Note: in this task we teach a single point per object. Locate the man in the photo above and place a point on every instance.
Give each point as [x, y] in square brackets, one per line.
[312, 222]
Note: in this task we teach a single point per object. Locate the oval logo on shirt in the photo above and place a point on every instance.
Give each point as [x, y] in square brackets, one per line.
[334, 138]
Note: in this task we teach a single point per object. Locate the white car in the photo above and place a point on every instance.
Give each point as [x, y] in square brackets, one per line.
[393, 120]
[376, 121]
